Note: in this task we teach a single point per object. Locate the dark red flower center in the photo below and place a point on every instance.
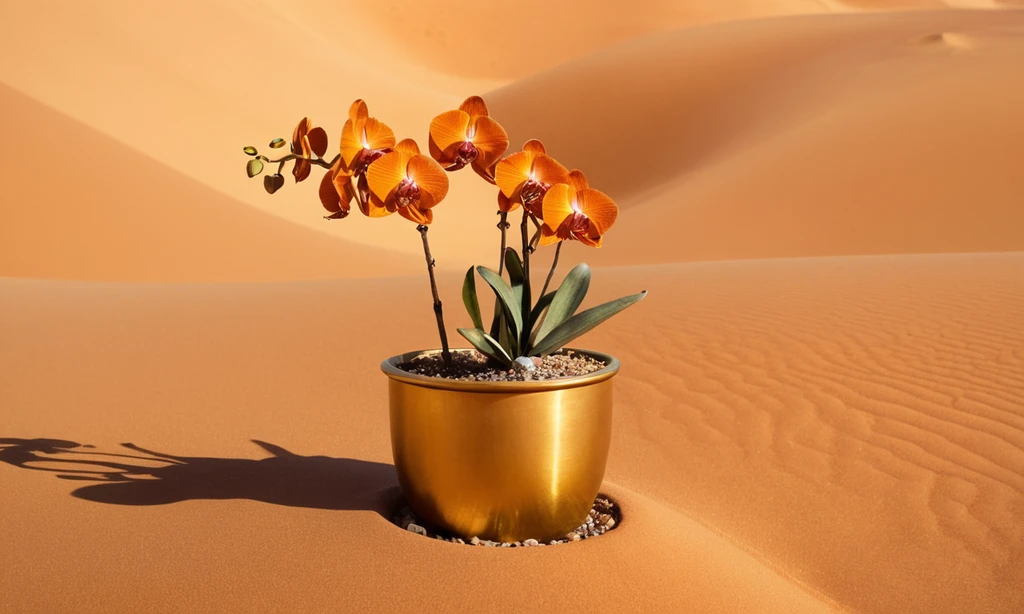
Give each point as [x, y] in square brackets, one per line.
[408, 193]
[533, 192]
[466, 153]
[365, 158]
[577, 224]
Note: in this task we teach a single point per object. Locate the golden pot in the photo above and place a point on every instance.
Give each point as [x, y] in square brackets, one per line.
[504, 461]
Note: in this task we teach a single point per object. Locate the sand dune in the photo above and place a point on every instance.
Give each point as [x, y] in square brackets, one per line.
[792, 435]
[519, 39]
[853, 424]
[806, 136]
[78, 205]
[721, 96]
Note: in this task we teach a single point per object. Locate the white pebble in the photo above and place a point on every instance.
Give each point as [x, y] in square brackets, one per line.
[415, 528]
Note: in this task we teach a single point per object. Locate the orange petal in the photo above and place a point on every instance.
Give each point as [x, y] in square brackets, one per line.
[329, 194]
[386, 173]
[318, 141]
[535, 146]
[376, 134]
[505, 204]
[350, 143]
[599, 208]
[301, 129]
[449, 128]
[415, 214]
[512, 171]
[358, 111]
[578, 180]
[431, 179]
[439, 155]
[549, 171]
[475, 106]
[408, 147]
[374, 207]
[343, 186]
[547, 237]
[491, 141]
[558, 204]
[301, 170]
[588, 240]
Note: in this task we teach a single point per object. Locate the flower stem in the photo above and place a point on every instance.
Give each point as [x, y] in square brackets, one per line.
[317, 161]
[503, 226]
[438, 312]
[527, 299]
[551, 273]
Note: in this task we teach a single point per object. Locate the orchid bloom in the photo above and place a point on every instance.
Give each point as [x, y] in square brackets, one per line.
[468, 135]
[363, 139]
[307, 140]
[575, 211]
[337, 192]
[526, 176]
[407, 182]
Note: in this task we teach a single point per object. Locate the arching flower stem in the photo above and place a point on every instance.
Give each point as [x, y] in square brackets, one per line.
[503, 225]
[438, 311]
[527, 298]
[318, 161]
[554, 265]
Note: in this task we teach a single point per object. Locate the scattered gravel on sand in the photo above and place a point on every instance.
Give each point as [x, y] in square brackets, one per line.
[603, 517]
[470, 365]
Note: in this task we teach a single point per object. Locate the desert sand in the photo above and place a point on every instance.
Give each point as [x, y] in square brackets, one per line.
[821, 404]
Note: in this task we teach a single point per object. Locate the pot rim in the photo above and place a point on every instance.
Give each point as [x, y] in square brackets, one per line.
[390, 368]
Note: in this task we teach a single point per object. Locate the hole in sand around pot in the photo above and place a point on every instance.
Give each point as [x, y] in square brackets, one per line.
[604, 516]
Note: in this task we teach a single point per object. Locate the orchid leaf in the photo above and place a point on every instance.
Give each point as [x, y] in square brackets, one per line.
[567, 299]
[539, 308]
[510, 306]
[470, 299]
[581, 323]
[487, 345]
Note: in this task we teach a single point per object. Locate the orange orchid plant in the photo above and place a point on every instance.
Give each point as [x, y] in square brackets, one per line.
[384, 176]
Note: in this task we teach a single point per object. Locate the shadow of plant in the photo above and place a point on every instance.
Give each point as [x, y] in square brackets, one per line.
[148, 477]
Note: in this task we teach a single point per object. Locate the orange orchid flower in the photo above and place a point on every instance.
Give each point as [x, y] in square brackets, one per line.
[407, 182]
[468, 135]
[307, 140]
[337, 192]
[526, 176]
[363, 139]
[575, 211]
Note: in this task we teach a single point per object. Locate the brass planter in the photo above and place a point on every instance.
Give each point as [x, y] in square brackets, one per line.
[504, 461]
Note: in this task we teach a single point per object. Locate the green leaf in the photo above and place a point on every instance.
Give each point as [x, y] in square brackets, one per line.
[537, 316]
[273, 183]
[517, 277]
[505, 336]
[253, 168]
[539, 308]
[582, 323]
[510, 306]
[470, 300]
[487, 345]
[250, 150]
[277, 143]
[567, 299]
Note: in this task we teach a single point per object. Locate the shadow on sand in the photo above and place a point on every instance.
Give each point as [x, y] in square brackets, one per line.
[147, 477]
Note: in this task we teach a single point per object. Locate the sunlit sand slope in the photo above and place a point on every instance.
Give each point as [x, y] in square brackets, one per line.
[801, 136]
[79, 205]
[853, 425]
